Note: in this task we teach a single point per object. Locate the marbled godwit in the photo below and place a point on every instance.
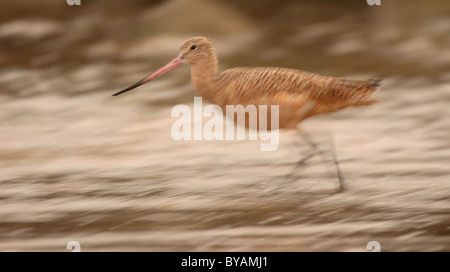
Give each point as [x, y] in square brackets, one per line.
[299, 94]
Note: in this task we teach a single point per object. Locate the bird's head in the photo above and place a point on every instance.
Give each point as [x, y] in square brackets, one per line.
[195, 50]
[192, 51]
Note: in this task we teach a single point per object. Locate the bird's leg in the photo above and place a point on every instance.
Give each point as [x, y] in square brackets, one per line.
[338, 168]
[301, 163]
[314, 151]
[302, 112]
[315, 148]
[309, 141]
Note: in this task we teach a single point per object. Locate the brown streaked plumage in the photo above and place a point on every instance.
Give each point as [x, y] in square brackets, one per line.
[299, 94]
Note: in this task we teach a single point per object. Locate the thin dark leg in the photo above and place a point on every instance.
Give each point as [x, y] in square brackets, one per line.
[302, 163]
[310, 142]
[314, 151]
[338, 168]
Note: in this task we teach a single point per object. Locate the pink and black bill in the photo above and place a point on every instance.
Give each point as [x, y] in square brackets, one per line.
[169, 66]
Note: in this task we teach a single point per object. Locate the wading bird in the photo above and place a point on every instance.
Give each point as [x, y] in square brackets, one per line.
[299, 94]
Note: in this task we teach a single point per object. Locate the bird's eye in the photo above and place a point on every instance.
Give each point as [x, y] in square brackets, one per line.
[193, 47]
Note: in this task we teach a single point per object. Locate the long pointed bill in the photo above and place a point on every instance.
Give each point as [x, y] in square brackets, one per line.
[169, 66]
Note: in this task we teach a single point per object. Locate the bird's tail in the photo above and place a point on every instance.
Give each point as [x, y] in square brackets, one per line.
[364, 98]
[374, 83]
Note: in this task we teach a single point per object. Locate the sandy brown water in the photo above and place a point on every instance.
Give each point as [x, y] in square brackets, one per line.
[78, 164]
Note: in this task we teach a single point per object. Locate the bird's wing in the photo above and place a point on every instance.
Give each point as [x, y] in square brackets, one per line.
[346, 91]
[260, 81]
[269, 81]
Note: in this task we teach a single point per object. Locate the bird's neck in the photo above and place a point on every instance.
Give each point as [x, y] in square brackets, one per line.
[202, 75]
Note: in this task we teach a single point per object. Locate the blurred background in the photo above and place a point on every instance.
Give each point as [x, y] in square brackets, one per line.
[77, 164]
